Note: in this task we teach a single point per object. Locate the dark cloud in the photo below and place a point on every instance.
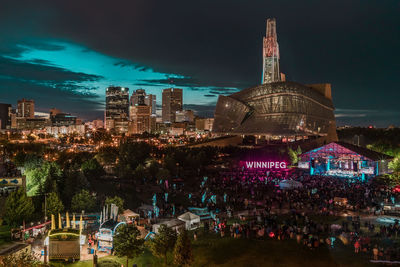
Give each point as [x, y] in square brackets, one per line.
[121, 64]
[40, 72]
[40, 62]
[142, 68]
[225, 92]
[40, 45]
[49, 86]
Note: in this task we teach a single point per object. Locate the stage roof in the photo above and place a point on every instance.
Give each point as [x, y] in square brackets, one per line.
[345, 148]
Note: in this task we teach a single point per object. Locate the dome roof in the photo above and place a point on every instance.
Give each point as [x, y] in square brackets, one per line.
[275, 109]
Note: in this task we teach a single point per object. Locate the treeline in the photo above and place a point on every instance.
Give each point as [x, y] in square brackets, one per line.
[71, 181]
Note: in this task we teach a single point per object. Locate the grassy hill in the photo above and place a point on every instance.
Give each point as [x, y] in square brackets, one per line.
[212, 250]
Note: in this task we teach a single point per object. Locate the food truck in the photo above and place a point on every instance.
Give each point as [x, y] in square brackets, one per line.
[64, 243]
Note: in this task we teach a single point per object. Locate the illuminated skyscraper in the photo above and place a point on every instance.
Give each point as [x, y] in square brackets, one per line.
[26, 108]
[171, 103]
[117, 109]
[140, 116]
[150, 100]
[138, 97]
[5, 115]
[270, 54]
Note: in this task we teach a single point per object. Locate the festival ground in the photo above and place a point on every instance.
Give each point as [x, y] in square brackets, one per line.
[211, 250]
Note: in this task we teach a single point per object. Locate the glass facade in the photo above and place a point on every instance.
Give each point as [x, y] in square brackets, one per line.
[275, 109]
[117, 108]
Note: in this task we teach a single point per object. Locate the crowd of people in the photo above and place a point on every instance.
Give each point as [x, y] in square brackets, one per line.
[229, 193]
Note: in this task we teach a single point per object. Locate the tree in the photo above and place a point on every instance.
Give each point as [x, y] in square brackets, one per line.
[299, 152]
[107, 155]
[19, 207]
[293, 156]
[163, 174]
[92, 169]
[140, 173]
[163, 242]
[127, 242]
[153, 168]
[53, 204]
[83, 201]
[19, 159]
[170, 163]
[117, 201]
[183, 250]
[72, 181]
[394, 165]
[43, 179]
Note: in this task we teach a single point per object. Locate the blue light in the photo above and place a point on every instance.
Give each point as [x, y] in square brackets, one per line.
[101, 70]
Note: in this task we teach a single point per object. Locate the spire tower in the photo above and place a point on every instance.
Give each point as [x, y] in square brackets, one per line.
[270, 54]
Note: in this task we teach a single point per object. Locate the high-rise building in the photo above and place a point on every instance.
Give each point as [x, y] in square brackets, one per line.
[140, 121]
[62, 119]
[271, 54]
[54, 111]
[171, 103]
[5, 116]
[138, 97]
[184, 116]
[150, 100]
[117, 108]
[25, 108]
[204, 124]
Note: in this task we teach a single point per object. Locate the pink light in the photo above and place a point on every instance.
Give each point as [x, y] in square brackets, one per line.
[271, 234]
[264, 164]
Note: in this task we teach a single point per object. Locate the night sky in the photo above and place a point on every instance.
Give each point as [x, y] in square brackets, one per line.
[65, 53]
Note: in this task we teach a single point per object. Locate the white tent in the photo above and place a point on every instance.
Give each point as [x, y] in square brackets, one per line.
[192, 220]
[290, 184]
[174, 224]
[130, 215]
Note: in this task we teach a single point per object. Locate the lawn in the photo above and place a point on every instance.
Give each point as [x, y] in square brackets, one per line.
[5, 235]
[212, 250]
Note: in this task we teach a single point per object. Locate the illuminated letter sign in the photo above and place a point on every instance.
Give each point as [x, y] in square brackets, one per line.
[264, 164]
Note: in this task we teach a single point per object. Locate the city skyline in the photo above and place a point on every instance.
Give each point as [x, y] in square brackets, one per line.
[68, 64]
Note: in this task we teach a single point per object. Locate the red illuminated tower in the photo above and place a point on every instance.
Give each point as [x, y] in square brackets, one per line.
[270, 54]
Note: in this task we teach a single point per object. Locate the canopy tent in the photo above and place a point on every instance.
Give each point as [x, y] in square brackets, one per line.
[192, 220]
[130, 215]
[290, 184]
[174, 224]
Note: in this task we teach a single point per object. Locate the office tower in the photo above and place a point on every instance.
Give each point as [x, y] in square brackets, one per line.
[54, 111]
[5, 116]
[204, 124]
[184, 116]
[117, 108]
[171, 103]
[150, 100]
[138, 97]
[140, 119]
[61, 119]
[270, 54]
[25, 108]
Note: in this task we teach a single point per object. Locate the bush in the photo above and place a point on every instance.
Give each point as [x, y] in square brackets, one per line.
[108, 263]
